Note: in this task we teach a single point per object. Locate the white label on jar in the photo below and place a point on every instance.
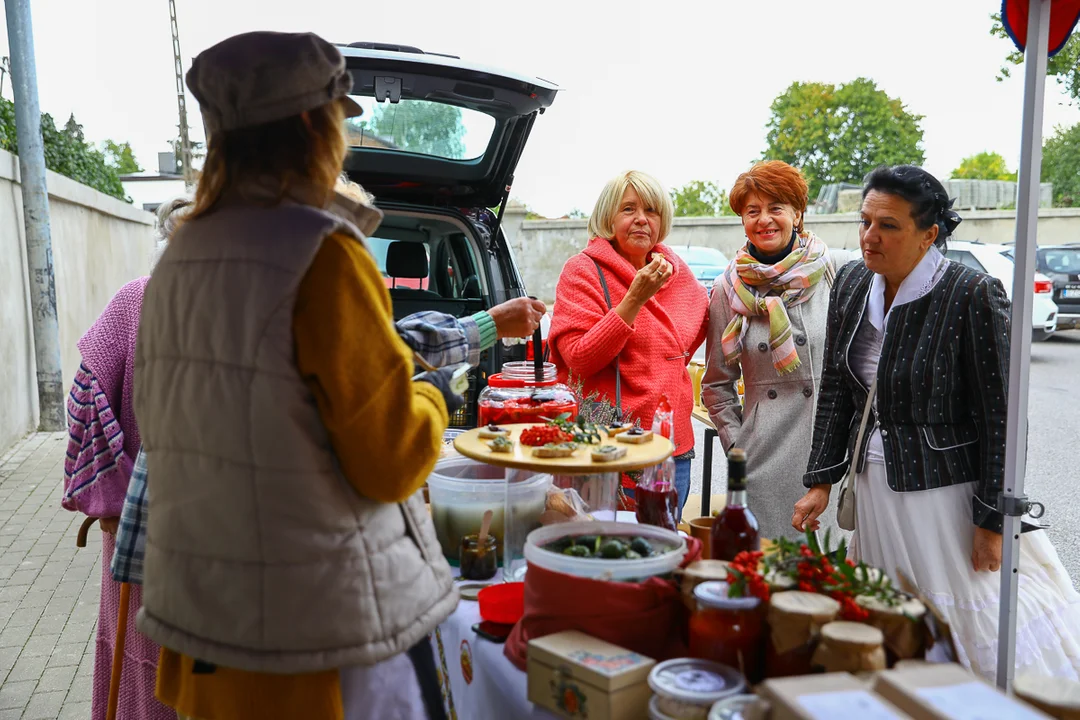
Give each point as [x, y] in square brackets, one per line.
[974, 701]
[700, 681]
[858, 703]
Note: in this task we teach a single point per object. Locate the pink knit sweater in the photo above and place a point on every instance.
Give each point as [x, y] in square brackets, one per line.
[653, 353]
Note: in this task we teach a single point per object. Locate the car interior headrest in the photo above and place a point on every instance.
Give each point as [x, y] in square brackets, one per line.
[407, 260]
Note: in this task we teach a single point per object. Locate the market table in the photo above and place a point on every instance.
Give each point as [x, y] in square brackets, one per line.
[479, 682]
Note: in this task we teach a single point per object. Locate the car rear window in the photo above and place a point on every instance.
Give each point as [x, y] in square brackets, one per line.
[421, 127]
[1062, 261]
[452, 268]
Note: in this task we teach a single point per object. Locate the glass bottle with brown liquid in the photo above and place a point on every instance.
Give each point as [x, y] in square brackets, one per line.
[735, 529]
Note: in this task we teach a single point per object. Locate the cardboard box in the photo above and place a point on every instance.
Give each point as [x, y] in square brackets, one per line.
[949, 692]
[824, 697]
[578, 676]
[1057, 697]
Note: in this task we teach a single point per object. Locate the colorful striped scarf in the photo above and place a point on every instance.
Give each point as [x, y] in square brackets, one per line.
[753, 288]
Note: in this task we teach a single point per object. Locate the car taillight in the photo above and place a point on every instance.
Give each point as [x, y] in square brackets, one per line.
[1044, 286]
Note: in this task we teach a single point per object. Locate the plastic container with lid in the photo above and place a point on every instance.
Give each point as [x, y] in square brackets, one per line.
[460, 490]
[516, 396]
[733, 708]
[728, 630]
[621, 570]
[687, 688]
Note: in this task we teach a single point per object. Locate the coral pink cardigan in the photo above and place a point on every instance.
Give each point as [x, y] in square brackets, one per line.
[653, 353]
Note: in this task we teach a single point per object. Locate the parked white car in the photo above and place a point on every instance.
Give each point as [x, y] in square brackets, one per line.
[994, 260]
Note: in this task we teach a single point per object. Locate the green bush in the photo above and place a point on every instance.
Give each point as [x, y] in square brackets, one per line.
[66, 152]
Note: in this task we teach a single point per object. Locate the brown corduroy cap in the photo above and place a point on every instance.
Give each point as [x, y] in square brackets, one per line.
[261, 77]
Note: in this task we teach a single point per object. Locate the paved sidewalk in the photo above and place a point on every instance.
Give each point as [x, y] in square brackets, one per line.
[49, 589]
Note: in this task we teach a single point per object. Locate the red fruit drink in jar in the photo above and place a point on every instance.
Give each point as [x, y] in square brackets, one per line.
[735, 529]
[516, 396]
[657, 505]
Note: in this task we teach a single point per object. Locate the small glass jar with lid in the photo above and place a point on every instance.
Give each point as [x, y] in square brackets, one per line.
[728, 630]
[516, 396]
[850, 647]
[795, 622]
[479, 561]
[901, 624]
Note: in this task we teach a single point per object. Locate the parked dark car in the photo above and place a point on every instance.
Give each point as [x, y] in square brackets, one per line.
[437, 145]
[1061, 263]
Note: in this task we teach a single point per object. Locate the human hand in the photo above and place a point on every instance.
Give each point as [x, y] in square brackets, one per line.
[109, 524]
[517, 318]
[442, 379]
[650, 279]
[986, 551]
[810, 507]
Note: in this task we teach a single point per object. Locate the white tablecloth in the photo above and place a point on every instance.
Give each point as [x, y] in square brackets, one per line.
[496, 689]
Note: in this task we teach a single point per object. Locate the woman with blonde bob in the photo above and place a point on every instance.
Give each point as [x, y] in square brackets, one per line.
[291, 568]
[629, 314]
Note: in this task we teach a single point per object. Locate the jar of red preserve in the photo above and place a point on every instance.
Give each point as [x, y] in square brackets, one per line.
[728, 630]
[516, 396]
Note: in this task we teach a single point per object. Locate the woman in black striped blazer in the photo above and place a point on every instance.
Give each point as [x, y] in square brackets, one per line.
[935, 336]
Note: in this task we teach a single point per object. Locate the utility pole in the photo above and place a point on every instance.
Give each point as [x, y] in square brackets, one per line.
[181, 101]
[35, 202]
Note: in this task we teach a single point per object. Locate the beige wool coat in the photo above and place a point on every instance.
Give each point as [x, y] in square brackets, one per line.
[776, 425]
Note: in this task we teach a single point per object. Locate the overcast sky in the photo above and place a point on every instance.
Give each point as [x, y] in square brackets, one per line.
[679, 88]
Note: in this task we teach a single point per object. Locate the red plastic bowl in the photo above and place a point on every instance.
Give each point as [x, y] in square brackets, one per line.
[503, 603]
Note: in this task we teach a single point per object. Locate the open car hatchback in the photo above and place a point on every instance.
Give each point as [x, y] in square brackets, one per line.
[437, 145]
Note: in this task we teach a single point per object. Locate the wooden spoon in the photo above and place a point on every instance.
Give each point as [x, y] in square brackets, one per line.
[481, 541]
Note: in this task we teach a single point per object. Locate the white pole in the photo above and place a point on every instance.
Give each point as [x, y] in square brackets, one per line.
[1027, 218]
[35, 197]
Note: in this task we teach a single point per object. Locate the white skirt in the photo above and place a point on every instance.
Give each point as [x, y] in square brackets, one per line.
[928, 536]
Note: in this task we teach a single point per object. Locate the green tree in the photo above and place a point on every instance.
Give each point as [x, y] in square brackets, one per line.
[1061, 165]
[577, 214]
[66, 151]
[983, 166]
[418, 126]
[700, 198]
[120, 157]
[838, 134]
[1064, 67]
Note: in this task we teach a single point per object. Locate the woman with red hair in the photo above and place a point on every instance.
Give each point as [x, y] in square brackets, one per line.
[767, 323]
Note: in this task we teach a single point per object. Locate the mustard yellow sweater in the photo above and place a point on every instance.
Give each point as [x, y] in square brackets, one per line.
[386, 431]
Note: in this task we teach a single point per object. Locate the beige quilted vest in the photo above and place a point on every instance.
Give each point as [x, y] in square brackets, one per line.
[260, 555]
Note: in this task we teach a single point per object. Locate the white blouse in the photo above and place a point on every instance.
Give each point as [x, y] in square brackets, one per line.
[864, 354]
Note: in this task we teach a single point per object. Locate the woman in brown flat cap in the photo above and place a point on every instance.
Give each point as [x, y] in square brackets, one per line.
[291, 568]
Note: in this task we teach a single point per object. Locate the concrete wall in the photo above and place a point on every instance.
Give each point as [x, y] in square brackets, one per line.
[99, 243]
[542, 246]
